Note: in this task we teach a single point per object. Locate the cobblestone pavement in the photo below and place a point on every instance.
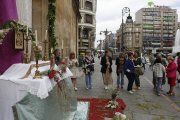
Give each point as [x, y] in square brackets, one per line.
[144, 104]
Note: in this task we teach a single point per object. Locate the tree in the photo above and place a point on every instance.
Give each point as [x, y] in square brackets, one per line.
[150, 3]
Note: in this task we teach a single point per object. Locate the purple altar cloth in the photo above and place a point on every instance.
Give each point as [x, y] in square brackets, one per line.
[8, 55]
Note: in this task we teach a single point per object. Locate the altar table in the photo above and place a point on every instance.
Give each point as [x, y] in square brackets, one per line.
[34, 99]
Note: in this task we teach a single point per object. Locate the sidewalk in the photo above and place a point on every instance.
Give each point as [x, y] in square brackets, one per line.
[142, 105]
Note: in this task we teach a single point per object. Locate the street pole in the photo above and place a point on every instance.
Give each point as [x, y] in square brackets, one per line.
[124, 10]
[100, 45]
[101, 41]
[122, 40]
[106, 32]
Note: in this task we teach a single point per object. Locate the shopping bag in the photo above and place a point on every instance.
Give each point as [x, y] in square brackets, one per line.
[139, 70]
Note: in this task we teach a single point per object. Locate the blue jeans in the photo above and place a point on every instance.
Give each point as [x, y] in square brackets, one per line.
[158, 84]
[120, 79]
[88, 79]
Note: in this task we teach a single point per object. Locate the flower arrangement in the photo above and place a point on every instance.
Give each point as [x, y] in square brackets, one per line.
[56, 74]
[113, 104]
[51, 73]
[63, 67]
[119, 116]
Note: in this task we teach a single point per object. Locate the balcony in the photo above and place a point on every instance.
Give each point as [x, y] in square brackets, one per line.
[89, 5]
[88, 19]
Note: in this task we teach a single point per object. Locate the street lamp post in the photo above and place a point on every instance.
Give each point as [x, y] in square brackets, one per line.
[106, 32]
[124, 11]
[100, 44]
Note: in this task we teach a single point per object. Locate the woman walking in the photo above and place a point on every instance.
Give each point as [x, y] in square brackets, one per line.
[171, 75]
[120, 70]
[129, 71]
[72, 64]
[158, 70]
[106, 62]
[88, 69]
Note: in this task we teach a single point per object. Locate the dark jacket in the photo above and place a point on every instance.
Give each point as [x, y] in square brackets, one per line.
[120, 65]
[104, 65]
[129, 65]
[137, 61]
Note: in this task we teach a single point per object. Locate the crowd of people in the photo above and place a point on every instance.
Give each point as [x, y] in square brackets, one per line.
[131, 65]
[165, 68]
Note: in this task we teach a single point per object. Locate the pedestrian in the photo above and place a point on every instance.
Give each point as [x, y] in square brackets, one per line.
[129, 72]
[88, 69]
[143, 59]
[151, 60]
[164, 63]
[120, 70]
[99, 55]
[137, 63]
[106, 63]
[158, 70]
[178, 63]
[178, 67]
[57, 56]
[171, 75]
[73, 66]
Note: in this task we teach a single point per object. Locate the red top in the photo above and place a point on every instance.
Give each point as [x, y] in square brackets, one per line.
[171, 70]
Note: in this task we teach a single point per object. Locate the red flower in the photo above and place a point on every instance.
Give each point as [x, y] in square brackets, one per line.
[51, 73]
[62, 62]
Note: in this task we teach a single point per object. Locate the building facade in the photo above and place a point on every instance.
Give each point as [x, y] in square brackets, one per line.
[66, 24]
[110, 42]
[178, 25]
[131, 39]
[87, 25]
[159, 25]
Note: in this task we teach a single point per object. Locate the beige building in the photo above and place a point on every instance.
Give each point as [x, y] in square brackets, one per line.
[178, 25]
[66, 24]
[87, 25]
[159, 27]
[132, 39]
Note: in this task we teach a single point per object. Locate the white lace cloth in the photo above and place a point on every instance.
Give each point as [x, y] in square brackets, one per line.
[14, 89]
[38, 87]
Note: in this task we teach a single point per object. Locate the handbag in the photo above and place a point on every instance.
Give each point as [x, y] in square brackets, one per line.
[139, 70]
[90, 67]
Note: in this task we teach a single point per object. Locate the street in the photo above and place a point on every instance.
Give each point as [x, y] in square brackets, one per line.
[144, 104]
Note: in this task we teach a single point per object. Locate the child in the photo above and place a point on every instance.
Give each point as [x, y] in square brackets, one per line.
[158, 70]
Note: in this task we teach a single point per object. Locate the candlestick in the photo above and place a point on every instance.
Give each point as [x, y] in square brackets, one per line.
[27, 31]
[46, 35]
[45, 50]
[37, 74]
[26, 58]
[36, 36]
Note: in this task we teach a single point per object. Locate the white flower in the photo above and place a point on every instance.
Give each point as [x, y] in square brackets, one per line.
[113, 106]
[109, 105]
[123, 117]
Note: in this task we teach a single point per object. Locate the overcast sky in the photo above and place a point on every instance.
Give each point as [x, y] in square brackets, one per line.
[109, 12]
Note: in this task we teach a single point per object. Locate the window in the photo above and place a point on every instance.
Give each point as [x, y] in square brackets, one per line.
[88, 19]
[89, 5]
